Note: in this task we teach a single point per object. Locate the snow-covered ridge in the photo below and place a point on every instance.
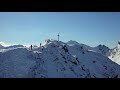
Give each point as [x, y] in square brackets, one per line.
[71, 42]
[104, 50]
[56, 59]
[1, 47]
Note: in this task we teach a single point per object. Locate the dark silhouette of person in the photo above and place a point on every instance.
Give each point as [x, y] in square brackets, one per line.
[31, 47]
[42, 48]
[40, 45]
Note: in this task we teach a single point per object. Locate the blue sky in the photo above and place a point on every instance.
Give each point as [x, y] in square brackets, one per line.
[91, 28]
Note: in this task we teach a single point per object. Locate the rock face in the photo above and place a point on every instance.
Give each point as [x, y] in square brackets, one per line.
[56, 60]
[102, 49]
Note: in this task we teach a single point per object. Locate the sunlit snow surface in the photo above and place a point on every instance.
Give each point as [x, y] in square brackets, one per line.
[115, 54]
[56, 60]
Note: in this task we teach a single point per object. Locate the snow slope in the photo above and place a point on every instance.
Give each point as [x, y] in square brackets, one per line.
[56, 60]
[15, 63]
[115, 54]
[14, 46]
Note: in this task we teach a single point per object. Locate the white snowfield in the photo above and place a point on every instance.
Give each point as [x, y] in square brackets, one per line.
[56, 60]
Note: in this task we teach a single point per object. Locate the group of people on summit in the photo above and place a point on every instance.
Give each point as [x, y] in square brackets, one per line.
[45, 41]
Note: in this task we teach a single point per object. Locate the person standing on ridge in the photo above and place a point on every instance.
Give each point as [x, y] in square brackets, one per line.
[31, 47]
[40, 45]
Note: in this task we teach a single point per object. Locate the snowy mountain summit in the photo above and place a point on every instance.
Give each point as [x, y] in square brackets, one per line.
[104, 50]
[56, 59]
[71, 42]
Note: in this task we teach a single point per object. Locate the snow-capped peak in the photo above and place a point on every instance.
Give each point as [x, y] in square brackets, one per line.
[1, 47]
[102, 49]
[115, 54]
[48, 41]
[51, 42]
[71, 42]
